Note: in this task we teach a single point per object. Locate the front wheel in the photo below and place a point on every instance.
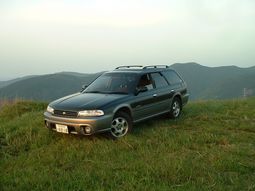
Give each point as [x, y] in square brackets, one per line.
[121, 125]
[175, 108]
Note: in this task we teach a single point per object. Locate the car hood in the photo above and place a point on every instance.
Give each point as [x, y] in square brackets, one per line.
[85, 101]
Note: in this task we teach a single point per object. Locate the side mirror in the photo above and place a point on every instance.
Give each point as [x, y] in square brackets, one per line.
[83, 88]
[141, 89]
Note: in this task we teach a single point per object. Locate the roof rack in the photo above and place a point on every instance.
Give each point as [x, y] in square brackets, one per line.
[132, 66]
[155, 66]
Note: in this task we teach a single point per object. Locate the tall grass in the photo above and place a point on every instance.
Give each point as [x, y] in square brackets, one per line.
[211, 147]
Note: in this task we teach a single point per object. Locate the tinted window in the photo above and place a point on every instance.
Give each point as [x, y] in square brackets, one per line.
[172, 77]
[159, 80]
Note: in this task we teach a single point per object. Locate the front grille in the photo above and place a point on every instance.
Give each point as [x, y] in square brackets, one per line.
[65, 113]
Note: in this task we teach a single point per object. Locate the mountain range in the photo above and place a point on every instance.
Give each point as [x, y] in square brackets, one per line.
[45, 87]
[223, 82]
[204, 82]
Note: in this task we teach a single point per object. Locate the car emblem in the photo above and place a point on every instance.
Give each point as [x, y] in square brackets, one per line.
[64, 113]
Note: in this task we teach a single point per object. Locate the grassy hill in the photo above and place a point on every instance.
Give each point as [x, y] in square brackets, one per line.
[211, 147]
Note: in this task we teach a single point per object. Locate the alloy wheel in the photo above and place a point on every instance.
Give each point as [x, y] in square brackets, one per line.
[119, 127]
[176, 109]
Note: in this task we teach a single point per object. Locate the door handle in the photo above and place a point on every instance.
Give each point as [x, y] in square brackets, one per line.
[172, 91]
[155, 95]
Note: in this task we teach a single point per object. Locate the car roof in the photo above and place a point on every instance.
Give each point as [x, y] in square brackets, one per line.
[141, 69]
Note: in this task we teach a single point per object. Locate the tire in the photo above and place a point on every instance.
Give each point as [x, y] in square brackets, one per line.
[121, 125]
[175, 110]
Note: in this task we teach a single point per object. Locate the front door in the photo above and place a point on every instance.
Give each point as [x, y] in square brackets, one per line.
[153, 101]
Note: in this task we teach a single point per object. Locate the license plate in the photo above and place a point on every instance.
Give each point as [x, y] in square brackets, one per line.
[61, 128]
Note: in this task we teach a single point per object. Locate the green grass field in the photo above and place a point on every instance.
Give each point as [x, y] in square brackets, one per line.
[211, 147]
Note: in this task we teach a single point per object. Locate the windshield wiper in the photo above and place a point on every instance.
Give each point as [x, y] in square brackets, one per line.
[116, 92]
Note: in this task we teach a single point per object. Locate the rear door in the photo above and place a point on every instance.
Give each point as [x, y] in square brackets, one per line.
[162, 93]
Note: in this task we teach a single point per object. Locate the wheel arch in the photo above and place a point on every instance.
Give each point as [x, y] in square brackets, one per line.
[178, 96]
[125, 109]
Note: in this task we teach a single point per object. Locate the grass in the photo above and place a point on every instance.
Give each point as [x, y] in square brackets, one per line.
[211, 147]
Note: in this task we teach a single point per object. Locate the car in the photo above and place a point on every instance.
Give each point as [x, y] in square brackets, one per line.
[116, 100]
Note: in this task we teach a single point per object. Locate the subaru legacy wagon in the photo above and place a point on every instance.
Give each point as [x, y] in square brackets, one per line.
[116, 100]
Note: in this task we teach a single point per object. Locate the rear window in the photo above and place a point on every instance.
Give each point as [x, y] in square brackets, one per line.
[172, 77]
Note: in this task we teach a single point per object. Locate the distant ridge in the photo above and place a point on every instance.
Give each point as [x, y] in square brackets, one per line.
[47, 87]
[8, 82]
[216, 82]
[225, 82]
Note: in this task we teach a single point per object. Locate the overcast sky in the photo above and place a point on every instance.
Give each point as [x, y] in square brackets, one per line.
[48, 36]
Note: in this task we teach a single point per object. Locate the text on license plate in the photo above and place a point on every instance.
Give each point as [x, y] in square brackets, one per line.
[61, 128]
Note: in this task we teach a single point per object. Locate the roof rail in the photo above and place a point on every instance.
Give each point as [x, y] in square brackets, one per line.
[132, 66]
[155, 66]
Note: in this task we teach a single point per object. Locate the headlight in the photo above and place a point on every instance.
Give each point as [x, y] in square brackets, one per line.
[50, 109]
[91, 113]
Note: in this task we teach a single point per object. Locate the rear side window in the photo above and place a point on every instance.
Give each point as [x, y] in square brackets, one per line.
[159, 80]
[172, 77]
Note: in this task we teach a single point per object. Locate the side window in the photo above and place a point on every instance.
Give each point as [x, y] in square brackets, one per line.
[172, 77]
[145, 81]
[159, 80]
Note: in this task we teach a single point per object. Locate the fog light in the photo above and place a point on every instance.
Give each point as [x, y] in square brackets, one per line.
[87, 130]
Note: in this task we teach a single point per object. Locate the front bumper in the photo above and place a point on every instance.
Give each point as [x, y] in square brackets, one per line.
[78, 125]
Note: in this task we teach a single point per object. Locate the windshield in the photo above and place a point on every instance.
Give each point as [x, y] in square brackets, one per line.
[115, 83]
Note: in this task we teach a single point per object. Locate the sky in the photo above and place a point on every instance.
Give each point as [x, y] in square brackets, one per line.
[49, 36]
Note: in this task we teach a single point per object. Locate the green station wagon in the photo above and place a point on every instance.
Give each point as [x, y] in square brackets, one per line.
[117, 99]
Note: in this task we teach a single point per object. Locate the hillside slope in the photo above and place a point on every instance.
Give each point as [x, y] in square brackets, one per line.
[231, 88]
[216, 82]
[203, 83]
[47, 87]
[9, 82]
[211, 147]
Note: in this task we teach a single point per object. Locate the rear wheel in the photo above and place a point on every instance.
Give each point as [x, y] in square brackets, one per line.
[121, 125]
[175, 108]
